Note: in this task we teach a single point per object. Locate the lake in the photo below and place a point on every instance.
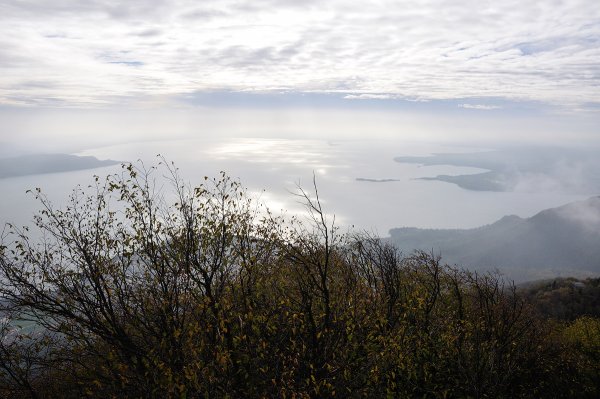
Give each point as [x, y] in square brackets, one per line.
[385, 196]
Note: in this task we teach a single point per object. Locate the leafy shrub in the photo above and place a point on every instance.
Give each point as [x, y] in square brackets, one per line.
[215, 297]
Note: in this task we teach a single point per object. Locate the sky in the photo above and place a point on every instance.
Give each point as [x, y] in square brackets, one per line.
[83, 73]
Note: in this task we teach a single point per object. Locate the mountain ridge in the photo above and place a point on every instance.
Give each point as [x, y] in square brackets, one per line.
[554, 242]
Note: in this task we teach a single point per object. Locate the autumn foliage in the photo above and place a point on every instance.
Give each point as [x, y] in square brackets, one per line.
[202, 293]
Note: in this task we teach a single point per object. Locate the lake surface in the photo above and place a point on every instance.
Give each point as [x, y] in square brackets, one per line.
[272, 169]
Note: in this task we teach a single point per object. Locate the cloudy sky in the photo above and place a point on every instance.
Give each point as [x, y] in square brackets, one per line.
[476, 57]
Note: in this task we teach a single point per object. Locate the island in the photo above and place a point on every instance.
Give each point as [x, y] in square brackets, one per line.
[48, 163]
[520, 168]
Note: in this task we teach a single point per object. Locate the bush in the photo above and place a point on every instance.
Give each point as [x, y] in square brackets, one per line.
[213, 296]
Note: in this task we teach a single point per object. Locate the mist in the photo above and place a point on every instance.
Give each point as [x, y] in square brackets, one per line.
[55, 130]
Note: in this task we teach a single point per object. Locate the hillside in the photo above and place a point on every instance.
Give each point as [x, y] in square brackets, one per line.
[564, 298]
[562, 241]
[48, 163]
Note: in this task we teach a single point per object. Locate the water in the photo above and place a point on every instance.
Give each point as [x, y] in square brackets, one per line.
[272, 169]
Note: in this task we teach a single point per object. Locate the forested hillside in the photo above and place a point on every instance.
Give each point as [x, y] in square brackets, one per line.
[555, 242]
[564, 299]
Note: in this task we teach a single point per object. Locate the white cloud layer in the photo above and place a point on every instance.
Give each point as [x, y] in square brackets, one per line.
[480, 106]
[94, 53]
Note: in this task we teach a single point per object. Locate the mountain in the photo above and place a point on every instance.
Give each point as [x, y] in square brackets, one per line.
[563, 241]
[48, 163]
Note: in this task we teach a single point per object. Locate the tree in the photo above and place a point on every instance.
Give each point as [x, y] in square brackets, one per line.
[137, 289]
[202, 292]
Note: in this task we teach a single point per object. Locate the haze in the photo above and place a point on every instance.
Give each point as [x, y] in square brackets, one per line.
[125, 80]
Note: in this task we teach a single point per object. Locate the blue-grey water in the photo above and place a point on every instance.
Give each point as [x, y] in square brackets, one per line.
[272, 168]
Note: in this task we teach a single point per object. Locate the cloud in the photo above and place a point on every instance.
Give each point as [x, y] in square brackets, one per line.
[484, 107]
[128, 63]
[545, 52]
[369, 97]
[585, 213]
[150, 32]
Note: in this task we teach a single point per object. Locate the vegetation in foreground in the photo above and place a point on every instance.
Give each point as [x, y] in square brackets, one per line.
[213, 297]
